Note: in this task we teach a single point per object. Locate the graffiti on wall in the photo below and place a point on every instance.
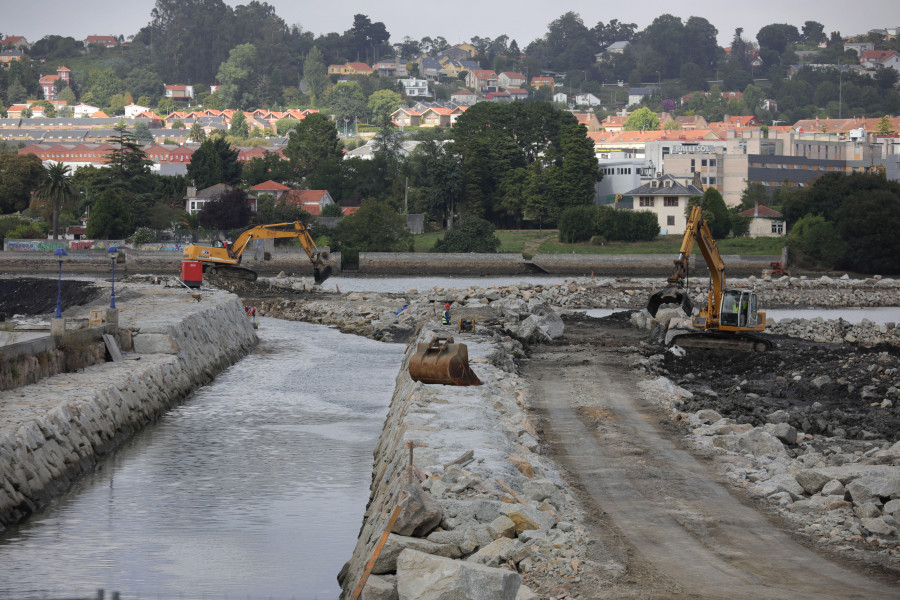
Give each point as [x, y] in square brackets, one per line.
[88, 245]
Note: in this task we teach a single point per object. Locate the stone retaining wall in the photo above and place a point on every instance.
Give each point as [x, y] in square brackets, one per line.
[47, 438]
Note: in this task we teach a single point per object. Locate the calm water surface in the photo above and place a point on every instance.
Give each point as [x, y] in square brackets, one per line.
[254, 488]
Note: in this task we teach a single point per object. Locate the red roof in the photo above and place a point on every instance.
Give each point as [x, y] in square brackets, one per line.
[877, 55]
[270, 185]
[761, 211]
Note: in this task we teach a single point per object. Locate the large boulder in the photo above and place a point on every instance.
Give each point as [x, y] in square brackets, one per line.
[541, 327]
[420, 512]
[422, 576]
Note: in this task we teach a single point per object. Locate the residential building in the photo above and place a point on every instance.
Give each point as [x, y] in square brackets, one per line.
[511, 79]
[561, 98]
[880, 59]
[588, 119]
[635, 95]
[415, 88]
[359, 68]
[587, 100]
[195, 200]
[107, 41]
[15, 41]
[435, 116]
[406, 117]
[617, 48]
[48, 82]
[180, 92]
[542, 81]
[502, 97]
[390, 67]
[517, 93]
[667, 197]
[765, 222]
[8, 56]
[132, 110]
[481, 79]
[859, 47]
[272, 188]
[464, 97]
[312, 201]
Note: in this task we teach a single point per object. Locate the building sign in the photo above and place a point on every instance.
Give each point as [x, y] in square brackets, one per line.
[693, 149]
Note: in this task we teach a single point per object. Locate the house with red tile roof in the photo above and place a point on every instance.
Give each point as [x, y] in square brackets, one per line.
[764, 221]
[312, 201]
[15, 41]
[406, 117]
[107, 41]
[880, 59]
[273, 188]
[48, 82]
[501, 97]
[517, 93]
[10, 55]
[537, 82]
[479, 79]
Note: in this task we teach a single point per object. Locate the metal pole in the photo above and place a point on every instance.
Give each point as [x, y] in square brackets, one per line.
[59, 292]
[112, 295]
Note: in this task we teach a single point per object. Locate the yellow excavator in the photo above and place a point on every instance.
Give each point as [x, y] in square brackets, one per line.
[225, 261]
[731, 317]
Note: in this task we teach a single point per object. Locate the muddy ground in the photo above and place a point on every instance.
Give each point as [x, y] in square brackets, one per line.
[26, 296]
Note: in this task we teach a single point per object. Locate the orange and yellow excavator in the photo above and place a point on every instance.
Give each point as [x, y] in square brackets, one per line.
[225, 261]
[731, 317]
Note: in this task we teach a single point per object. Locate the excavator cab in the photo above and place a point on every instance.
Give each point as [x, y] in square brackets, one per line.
[739, 309]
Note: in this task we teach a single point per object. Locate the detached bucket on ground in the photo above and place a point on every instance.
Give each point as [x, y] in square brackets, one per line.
[442, 361]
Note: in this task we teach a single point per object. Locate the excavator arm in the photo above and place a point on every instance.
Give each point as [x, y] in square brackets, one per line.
[275, 231]
[697, 231]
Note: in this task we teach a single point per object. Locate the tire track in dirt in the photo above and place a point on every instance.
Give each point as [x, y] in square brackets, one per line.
[679, 530]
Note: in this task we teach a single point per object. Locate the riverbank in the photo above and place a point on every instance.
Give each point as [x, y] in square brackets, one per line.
[173, 344]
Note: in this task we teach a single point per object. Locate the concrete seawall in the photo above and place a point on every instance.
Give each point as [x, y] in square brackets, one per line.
[391, 263]
[55, 430]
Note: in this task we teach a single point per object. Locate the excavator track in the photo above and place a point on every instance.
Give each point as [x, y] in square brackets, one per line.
[231, 272]
[724, 341]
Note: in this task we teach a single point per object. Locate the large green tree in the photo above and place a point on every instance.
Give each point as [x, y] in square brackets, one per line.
[313, 142]
[215, 161]
[316, 75]
[109, 218]
[643, 119]
[239, 77]
[375, 227]
[20, 174]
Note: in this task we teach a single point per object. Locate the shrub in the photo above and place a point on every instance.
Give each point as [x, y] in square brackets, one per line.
[474, 234]
[576, 224]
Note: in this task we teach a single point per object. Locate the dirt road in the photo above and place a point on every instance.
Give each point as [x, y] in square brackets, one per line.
[662, 512]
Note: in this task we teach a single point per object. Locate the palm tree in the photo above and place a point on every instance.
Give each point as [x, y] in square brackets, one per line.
[56, 191]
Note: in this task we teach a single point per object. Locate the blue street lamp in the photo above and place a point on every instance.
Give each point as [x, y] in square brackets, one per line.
[113, 252]
[59, 253]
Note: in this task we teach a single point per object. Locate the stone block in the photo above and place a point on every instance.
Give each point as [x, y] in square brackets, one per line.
[527, 518]
[379, 588]
[395, 544]
[420, 513]
[502, 526]
[422, 576]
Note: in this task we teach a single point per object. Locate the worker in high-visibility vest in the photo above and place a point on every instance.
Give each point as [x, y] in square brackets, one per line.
[445, 317]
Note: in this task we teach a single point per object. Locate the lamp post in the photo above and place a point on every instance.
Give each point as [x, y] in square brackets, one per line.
[113, 252]
[59, 253]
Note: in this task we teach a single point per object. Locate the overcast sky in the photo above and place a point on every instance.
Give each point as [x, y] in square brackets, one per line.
[523, 20]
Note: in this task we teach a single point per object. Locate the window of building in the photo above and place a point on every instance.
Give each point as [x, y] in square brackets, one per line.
[670, 220]
[670, 201]
[693, 165]
[646, 200]
[777, 227]
[712, 162]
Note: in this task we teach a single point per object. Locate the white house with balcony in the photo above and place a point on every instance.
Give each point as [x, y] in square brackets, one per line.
[415, 88]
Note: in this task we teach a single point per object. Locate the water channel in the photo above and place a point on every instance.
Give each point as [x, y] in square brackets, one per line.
[253, 488]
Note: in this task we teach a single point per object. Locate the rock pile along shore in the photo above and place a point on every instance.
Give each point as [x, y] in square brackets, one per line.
[47, 438]
[481, 503]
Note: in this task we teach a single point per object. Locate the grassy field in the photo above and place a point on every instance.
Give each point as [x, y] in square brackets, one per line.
[531, 242]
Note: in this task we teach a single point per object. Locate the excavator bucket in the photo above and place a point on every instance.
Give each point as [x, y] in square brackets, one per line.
[670, 295]
[442, 361]
[320, 275]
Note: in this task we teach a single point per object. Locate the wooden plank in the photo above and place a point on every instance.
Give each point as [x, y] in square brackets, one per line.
[378, 547]
[513, 493]
[113, 347]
